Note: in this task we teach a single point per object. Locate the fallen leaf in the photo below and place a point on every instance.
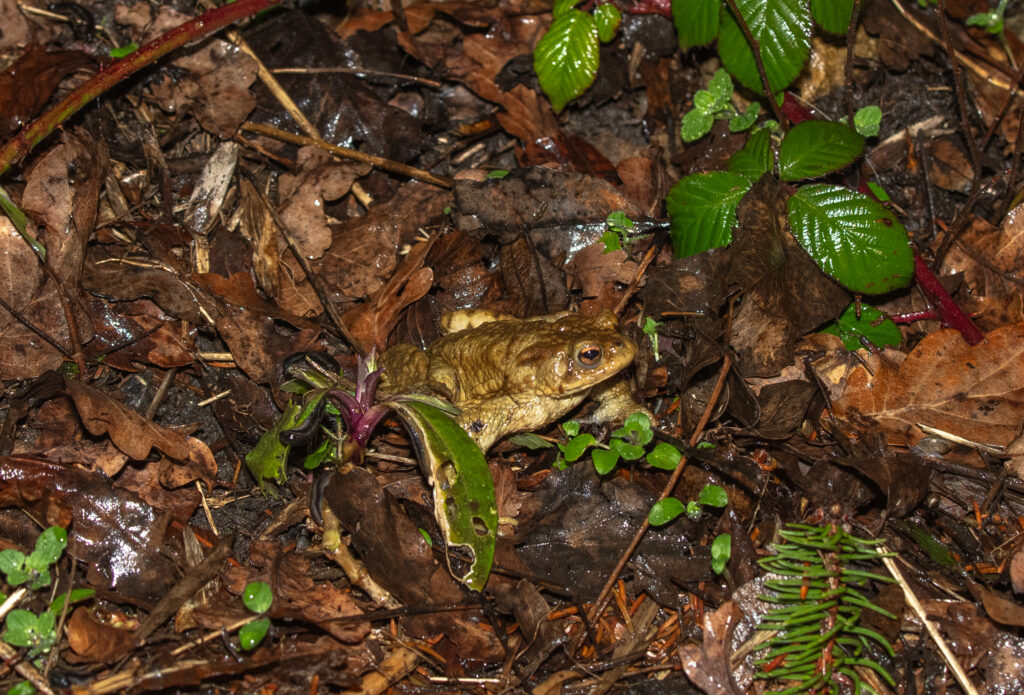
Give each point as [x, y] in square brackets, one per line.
[973, 392]
[135, 435]
[31, 80]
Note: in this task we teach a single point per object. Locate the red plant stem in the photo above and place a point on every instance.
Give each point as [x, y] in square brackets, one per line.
[951, 314]
[207, 23]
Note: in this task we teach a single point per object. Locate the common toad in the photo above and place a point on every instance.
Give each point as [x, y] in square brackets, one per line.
[510, 375]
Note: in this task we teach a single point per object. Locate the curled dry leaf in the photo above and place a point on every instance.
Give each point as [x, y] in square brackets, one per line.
[135, 435]
[973, 392]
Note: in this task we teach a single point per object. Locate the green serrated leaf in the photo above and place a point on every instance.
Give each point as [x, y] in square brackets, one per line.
[852, 238]
[868, 120]
[713, 496]
[604, 460]
[720, 89]
[566, 58]
[783, 31]
[851, 328]
[257, 597]
[664, 511]
[702, 210]
[608, 19]
[563, 6]
[755, 158]
[577, 446]
[704, 102]
[464, 503]
[695, 125]
[816, 148]
[251, 634]
[696, 22]
[664, 456]
[832, 15]
[721, 549]
[737, 124]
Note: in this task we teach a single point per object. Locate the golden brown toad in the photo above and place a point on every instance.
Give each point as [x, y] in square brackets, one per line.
[511, 375]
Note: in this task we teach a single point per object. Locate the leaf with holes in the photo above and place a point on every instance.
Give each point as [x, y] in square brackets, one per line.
[852, 238]
[696, 21]
[782, 29]
[702, 210]
[566, 57]
[816, 148]
[464, 503]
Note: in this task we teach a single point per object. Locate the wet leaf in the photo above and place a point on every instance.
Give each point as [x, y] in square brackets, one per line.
[566, 58]
[869, 325]
[696, 21]
[816, 148]
[702, 208]
[782, 29]
[832, 15]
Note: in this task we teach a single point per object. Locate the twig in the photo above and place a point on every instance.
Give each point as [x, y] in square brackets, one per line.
[933, 631]
[207, 23]
[35, 329]
[379, 162]
[602, 599]
[755, 47]
[951, 313]
[851, 35]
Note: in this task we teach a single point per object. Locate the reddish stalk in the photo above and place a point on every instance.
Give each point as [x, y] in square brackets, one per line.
[950, 313]
[207, 23]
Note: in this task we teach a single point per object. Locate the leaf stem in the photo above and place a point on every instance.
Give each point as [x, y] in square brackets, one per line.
[950, 312]
[755, 48]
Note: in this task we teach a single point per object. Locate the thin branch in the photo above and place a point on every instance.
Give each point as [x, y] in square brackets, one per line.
[755, 47]
[951, 313]
[851, 35]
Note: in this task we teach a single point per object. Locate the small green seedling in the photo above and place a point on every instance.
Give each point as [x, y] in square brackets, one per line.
[650, 329]
[257, 597]
[715, 103]
[620, 228]
[34, 569]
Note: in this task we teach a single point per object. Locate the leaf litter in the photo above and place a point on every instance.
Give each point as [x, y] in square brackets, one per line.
[178, 282]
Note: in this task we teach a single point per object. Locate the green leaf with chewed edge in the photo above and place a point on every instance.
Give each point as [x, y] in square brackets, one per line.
[665, 511]
[782, 29]
[852, 238]
[816, 148]
[702, 210]
[608, 19]
[266, 462]
[832, 15]
[464, 503]
[696, 21]
[755, 158]
[566, 57]
[870, 324]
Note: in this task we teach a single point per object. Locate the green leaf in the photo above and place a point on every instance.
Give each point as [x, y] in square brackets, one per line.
[22, 688]
[739, 123]
[693, 510]
[563, 6]
[695, 125]
[20, 222]
[604, 460]
[664, 456]
[571, 428]
[816, 148]
[57, 605]
[696, 21]
[608, 19]
[702, 210]
[704, 101]
[721, 549]
[851, 328]
[782, 29]
[713, 496]
[832, 15]
[611, 241]
[11, 560]
[497, 174]
[257, 597]
[625, 449]
[755, 158]
[636, 429]
[720, 89]
[868, 121]
[325, 453]
[878, 191]
[266, 462]
[49, 547]
[122, 51]
[852, 238]
[664, 511]
[650, 329]
[251, 634]
[26, 629]
[566, 57]
[464, 503]
[577, 446]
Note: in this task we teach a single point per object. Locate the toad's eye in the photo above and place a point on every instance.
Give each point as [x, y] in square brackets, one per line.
[589, 356]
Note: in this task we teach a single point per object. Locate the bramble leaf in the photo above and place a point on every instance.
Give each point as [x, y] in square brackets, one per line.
[816, 148]
[566, 58]
[782, 29]
[702, 210]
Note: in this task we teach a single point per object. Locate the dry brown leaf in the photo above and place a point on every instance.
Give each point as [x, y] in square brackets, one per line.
[972, 392]
[135, 435]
